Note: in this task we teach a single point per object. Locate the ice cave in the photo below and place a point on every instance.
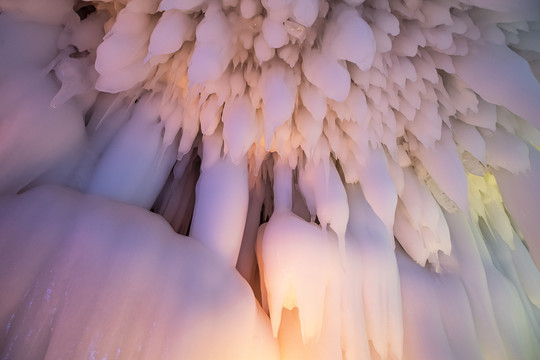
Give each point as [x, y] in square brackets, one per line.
[270, 179]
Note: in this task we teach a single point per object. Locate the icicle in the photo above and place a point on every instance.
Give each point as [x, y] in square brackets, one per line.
[378, 186]
[381, 292]
[298, 261]
[283, 182]
[429, 317]
[505, 150]
[408, 234]
[521, 200]
[355, 343]
[470, 139]
[475, 282]
[239, 127]
[444, 165]
[136, 164]
[278, 91]
[221, 203]
[247, 263]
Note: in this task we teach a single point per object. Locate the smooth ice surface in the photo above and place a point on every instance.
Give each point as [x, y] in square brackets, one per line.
[378, 187]
[135, 165]
[213, 49]
[301, 253]
[487, 66]
[278, 92]
[172, 29]
[328, 74]
[221, 204]
[349, 37]
[444, 165]
[239, 127]
[37, 140]
[381, 294]
[521, 198]
[165, 294]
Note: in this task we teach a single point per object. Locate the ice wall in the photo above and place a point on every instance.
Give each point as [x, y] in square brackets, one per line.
[351, 179]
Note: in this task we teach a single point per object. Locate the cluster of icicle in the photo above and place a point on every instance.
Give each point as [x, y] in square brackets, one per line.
[369, 167]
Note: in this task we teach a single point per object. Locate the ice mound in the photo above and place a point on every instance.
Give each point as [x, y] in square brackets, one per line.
[104, 279]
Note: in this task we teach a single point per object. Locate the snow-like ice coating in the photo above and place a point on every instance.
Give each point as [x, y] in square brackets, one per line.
[269, 179]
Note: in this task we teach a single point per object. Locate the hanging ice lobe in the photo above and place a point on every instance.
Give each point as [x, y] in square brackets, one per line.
[505, 150]
[182, 300]
[278, 92]
[48, 142]
[328, 74]
[306, 11]
[449, 174]
[522, 202]
[274, 33]
[349, 37]
[239, 127]
[213, 47]
[120, 56]
[470, 139]
[171, 31]
[487, 66]
[378, 187]
[474, 279]
[420, 226]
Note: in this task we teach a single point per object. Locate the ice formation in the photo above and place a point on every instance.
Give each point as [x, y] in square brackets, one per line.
[269, 179]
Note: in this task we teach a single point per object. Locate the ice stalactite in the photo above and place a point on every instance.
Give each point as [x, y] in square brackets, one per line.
[349, 179]
[221, 202]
